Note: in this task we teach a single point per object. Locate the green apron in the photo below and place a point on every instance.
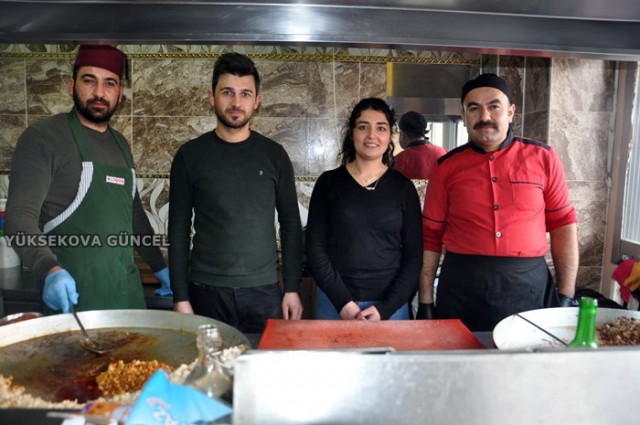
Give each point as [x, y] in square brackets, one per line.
[100, 218]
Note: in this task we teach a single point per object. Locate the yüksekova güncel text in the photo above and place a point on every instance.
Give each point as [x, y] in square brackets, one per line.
[21, 239]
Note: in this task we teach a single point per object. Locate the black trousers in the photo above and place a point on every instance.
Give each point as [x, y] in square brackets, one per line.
[246, 309]
[483, 290]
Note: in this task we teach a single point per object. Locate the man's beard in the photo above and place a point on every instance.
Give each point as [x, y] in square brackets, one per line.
[230, 124]
[91, 114]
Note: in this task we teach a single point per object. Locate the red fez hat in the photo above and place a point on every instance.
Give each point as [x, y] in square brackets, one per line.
[101, 56]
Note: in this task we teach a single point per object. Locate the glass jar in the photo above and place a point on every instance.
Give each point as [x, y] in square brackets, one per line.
[209, 374]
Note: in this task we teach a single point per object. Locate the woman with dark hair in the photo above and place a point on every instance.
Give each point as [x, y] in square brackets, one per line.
[364, 232]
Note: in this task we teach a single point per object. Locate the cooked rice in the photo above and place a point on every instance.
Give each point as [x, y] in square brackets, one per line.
[15, 396]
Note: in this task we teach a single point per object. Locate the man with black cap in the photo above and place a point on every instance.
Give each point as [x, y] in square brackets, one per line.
[419, 157]
[490, 205]
[73, 211]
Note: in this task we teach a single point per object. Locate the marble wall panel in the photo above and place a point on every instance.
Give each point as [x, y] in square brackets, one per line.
[47, 88]
[124, 125]
[12, 127]
[580, 126]
[512, 69]
[323, 145]
[373, 80]
[592, 220]
[581, 140]
[291, 134]
[157, 139]
[571, 77]
[321, 90]
[536, 87]
[12, 86]
[347, 89]
[171, 87]
[536, 126]
[285, 88]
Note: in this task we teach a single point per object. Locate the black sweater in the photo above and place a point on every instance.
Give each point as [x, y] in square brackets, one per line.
[233, 191]
[365, 245]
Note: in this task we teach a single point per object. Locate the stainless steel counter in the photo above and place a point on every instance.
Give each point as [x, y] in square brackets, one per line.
[475, 387]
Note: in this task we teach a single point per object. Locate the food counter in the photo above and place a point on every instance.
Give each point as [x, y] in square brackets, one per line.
[483, 385]
[468, 387]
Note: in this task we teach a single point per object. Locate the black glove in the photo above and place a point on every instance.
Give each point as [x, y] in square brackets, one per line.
[426, 311]
[568, 301]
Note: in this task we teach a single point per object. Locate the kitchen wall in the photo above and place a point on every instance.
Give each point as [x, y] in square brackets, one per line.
[307, 93]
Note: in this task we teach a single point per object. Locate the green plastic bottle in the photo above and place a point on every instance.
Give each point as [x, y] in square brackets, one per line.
[586, 329]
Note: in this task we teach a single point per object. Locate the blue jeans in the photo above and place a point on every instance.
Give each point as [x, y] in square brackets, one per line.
[326, 311]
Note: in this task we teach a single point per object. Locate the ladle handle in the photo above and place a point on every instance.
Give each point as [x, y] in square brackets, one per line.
[75, 315]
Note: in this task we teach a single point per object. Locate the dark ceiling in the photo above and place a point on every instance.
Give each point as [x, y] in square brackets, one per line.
[604, 29]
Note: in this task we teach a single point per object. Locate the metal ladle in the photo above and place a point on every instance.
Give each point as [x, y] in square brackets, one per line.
[87, 343]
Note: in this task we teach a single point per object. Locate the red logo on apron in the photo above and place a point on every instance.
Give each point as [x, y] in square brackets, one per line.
[115, 180]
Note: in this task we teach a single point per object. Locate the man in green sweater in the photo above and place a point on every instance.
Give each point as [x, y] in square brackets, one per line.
[228, 185]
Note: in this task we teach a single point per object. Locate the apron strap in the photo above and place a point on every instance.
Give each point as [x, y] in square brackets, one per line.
[76, 129]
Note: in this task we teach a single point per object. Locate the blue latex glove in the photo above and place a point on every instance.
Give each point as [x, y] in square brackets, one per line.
[59, 290]
[163, 276]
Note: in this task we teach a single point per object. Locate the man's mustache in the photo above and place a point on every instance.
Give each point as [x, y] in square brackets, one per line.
[99, 99]
[483, 124]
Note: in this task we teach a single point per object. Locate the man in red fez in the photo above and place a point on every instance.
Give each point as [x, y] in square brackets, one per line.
[73, 212]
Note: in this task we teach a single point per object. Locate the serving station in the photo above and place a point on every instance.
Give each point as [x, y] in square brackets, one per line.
[324, 372]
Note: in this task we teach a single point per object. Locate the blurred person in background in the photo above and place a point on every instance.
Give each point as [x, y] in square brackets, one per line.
[419, 157]
[418, 160]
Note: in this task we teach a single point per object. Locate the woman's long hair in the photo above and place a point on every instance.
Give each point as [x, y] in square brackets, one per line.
[348, 151]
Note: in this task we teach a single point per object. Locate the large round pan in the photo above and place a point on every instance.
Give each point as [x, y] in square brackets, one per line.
[44, 354]
[514, 333]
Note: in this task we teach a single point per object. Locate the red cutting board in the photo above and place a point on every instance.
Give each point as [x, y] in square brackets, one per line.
[402, 335]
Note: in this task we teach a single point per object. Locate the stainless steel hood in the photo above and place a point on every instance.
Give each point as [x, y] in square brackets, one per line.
[528, 27]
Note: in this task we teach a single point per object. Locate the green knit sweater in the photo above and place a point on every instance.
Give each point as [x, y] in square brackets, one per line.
[230, 193]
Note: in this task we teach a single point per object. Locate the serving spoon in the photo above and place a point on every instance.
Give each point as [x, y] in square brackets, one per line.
[86, 342]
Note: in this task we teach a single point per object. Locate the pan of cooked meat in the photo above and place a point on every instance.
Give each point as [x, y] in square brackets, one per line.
[43, 354]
